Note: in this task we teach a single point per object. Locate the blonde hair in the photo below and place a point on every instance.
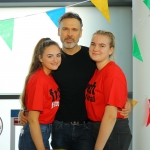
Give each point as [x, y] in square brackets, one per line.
[35, 63]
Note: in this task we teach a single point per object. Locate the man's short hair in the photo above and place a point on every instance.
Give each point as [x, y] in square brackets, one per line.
[71, 15]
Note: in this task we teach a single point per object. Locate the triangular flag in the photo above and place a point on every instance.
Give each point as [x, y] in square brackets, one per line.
[136, 51]
[6, 31]
[102, 5]
[133, 102]
[56, 14]
[148, 120]
[147, 2]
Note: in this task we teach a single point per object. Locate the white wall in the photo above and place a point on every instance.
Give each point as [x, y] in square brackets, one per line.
[141, 76]
[5, 113]
[29, 29]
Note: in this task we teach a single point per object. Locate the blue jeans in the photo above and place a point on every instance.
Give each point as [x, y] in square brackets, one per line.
[25, 139]
[120, 137]
[72, 137]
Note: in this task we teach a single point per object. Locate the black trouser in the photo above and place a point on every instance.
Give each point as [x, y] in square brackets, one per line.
[120, 137]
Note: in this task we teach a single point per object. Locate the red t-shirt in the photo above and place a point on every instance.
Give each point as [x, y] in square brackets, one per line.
[42, 94]
[108, 86]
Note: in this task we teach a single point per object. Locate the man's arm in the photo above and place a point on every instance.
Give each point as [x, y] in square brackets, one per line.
[22, 117]
[126, 110]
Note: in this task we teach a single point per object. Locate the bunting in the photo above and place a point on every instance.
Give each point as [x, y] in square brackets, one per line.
[147, 3]
[136, 51]
[133, 102]
[55, 15]
[7, 26]
[148, 121]
[6, 31]
[102, 5]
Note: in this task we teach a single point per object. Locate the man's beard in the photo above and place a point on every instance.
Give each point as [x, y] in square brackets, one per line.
[69, 45]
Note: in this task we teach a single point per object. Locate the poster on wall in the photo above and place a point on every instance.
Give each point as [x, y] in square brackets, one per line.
[15, 128]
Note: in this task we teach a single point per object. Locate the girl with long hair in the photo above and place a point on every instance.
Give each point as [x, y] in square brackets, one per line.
[40, 96]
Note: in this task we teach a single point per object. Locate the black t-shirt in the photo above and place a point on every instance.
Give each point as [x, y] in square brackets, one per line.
[72, 78]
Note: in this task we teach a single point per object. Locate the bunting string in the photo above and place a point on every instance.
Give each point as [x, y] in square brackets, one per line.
[78, 3]
[7, 25]
[46, 11]
[141, 21]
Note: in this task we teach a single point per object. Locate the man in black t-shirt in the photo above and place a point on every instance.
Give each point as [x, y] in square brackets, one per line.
[71, 128]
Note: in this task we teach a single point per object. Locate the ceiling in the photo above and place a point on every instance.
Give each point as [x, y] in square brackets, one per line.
[58, 3]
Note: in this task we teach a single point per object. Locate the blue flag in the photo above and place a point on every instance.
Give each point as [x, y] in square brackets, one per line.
[56, 14]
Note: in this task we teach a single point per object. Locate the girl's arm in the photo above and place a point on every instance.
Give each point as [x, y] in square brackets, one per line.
[35, 129]
[106, 127]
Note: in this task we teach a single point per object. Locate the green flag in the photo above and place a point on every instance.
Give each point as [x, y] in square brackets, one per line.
[136, 51]
[147, 3]
[6, 31]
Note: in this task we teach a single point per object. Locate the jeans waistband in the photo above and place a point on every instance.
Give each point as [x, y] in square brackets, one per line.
[41, 125]
[119, 120]
[75, 122]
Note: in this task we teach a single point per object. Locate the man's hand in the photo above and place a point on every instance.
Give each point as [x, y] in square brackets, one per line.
[126, 110]
[22, 118]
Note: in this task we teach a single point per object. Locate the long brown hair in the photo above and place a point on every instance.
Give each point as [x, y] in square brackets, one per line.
[35, 63]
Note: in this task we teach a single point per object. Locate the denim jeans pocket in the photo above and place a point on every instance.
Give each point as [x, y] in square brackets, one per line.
[124, 139]
[120, 137]
[26, 127]
[57, 125]
[25, 140]
[88, 126]
[46, 131]
[45, 128]
[119, 141]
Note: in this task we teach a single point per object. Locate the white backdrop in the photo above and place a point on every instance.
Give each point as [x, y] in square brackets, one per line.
[28, 30]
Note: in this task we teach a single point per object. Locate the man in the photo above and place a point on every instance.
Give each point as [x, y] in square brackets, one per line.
[71, 128]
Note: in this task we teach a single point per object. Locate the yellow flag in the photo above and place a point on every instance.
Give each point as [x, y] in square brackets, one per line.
[102, 5]
[133, 102]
